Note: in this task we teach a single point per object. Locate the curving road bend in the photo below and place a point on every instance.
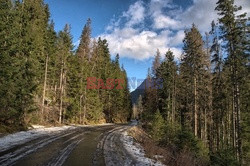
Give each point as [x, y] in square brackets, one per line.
[83, 146]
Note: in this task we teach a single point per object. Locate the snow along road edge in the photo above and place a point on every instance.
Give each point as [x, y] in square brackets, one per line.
[120, 149]
[22, 137]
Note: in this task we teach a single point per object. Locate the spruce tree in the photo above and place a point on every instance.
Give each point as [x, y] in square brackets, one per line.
[83, 53]
[64, 52]
[8, 87]
[195, 71]
[166, 74]
[233, 33]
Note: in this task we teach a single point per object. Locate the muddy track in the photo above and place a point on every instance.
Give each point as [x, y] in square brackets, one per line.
[79, 146]
[112, 149]
[13, 155]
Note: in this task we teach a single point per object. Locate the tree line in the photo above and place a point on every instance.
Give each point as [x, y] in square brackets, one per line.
[43, 78]
[202, 102]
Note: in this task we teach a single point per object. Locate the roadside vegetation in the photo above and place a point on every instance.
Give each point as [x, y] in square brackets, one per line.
[43, 77]
[198, 106]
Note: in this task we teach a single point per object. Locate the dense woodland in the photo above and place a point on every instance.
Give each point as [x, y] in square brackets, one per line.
[200, 110]
[43, 78]
[201, 107]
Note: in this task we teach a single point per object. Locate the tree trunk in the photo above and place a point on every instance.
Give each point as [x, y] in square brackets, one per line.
[238, 123]
[205, 127]
[173, 101]
[44, 84]
[80, 108]
[85, 104]
[195, 108]
[61, 93]
[64, 94]
[168, 111]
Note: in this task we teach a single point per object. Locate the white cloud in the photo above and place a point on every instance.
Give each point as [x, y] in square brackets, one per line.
[156, 6]
[135, 14]
[160, 20]
[139, 44]
[130, 35]
[112, 25]
[177, 39]
[201, 13]
[135, 42]
[165, 22]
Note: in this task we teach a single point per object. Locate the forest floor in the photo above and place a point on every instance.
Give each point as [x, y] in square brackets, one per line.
[109, 144]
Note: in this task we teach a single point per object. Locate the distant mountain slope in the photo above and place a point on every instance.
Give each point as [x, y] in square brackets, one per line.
[138, 91]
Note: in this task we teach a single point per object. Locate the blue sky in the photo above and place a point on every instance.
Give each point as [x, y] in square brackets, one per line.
[136, 28]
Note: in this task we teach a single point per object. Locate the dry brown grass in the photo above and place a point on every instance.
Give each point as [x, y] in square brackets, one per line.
[168, 156]
[151, 148]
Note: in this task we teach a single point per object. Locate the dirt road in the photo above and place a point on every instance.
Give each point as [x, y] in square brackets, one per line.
[81, 146]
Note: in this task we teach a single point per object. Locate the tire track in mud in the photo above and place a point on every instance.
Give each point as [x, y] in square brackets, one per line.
[99, 157]
[64, 153]
[112, 150]
[88, 152]
[59, 148]
[11, 157]
[75, 149]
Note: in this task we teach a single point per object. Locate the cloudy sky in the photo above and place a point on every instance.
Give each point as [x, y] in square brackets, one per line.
[137, 28]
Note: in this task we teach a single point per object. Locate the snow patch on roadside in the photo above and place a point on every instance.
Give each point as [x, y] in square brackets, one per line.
[94, 125]
[137, 151]
[24, 136]
[36, 127]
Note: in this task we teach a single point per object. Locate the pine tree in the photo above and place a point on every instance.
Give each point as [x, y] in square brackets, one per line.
[74, 86]
[218, 93]
[49, 90]
[104, 72]
[49, 52]
[84, 46]
[195, 72]
[30, 23]
[127, 103]
[150, 99]
[158, 125]
[119, 99]
[83, 53]
[64, 52]
[166, 74]
[8, 87]
[156, 62]
[233, 28]
[94, 107]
